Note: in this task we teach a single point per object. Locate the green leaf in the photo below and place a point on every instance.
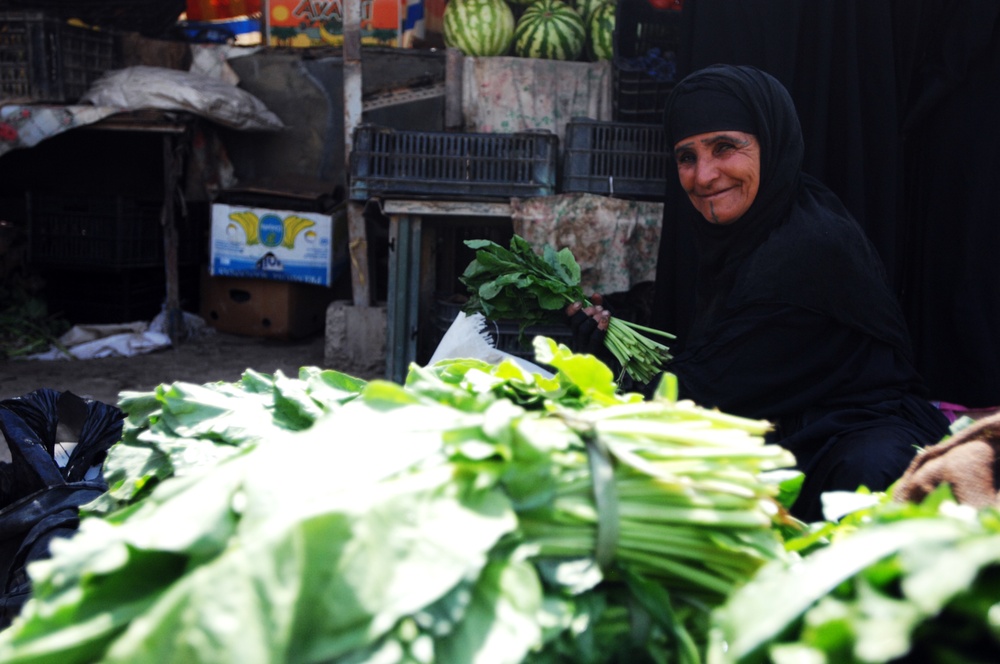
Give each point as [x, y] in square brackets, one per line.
[129, 469]
[590, 375]
[492, 289]
[565, 266]
[331, 387]
[501, 624]
[940, 572]
[780, 594]
[294, 407]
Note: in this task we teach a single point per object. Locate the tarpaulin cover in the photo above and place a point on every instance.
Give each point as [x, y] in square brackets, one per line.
[174, 90]
[133, 89]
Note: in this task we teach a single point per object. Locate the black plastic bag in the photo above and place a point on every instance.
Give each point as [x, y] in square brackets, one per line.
[39, 497]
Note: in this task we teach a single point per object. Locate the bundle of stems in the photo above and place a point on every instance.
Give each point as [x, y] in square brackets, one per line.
[691, 511]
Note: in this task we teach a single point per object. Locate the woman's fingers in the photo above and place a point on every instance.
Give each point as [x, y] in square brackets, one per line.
[603, 318]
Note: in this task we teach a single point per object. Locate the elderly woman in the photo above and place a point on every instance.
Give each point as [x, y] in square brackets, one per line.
[794, 320]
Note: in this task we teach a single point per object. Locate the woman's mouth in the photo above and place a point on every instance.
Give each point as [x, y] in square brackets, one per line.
[708, 196]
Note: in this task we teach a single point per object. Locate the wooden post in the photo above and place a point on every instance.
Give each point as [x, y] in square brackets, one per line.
[357, 232]
[173, 157]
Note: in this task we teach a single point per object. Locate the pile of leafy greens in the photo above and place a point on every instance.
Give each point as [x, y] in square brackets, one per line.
[890, 582]
[477, 513]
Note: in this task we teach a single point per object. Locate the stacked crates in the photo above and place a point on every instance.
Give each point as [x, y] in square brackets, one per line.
[44, 59]
[448, 166]
[627, 157]
[644, 70]
[90, 231]
[102, 255]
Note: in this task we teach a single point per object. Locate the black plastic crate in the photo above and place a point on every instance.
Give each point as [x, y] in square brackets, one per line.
[44, 59]
[112, 232]
[390, 162]
[151, 18]
[625, 160]
[644, 68]
[84, 296]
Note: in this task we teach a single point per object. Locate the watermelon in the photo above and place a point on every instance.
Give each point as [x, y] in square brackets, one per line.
[549, 29]
[478, 27]
[601, 32]
[586, 7]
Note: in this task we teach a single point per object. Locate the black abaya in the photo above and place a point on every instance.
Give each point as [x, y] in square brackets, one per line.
[794, 320]
[898, 104]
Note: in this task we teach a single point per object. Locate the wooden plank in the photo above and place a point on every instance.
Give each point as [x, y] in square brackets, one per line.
[446, 208]
[403, 95]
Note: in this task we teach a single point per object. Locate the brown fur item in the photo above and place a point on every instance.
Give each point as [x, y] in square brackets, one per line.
[967, 461]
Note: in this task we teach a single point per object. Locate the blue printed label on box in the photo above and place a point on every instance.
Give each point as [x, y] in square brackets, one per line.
[283, 245]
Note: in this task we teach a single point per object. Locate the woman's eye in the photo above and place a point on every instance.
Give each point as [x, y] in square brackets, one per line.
[723, 147]
[685, 158]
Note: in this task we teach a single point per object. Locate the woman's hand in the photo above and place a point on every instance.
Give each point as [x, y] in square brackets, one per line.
[589, 325]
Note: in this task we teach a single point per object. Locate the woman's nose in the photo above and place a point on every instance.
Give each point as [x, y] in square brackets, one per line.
[705, 172]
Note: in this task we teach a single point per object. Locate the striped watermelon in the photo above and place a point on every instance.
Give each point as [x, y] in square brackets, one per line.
[478, 27]
[586, 7]
[549, 29]
[601, 32]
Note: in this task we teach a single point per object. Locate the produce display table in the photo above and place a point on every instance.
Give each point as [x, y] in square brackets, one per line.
[410, 283]
[615, 242]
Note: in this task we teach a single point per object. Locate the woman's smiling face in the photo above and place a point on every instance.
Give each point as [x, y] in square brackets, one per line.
[720, 171]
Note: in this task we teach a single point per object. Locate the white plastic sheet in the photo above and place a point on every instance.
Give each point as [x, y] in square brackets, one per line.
[85, 342]
[174, 90]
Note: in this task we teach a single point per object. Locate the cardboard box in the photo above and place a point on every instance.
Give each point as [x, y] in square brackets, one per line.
[263, 307]
[281, 245]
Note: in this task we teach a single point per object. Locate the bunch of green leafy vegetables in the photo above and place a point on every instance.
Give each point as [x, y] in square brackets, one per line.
[520, 285]
[181, 427]
[26, 324]
[889, 582]
[477, 513]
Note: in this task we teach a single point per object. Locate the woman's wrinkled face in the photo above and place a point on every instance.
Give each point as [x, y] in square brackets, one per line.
[720, 171]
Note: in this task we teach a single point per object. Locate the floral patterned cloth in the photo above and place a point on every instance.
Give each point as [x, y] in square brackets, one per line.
[615, 241]
[28, 125]
[506, 94]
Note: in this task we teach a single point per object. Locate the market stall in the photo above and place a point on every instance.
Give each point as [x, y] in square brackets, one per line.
[470, 510]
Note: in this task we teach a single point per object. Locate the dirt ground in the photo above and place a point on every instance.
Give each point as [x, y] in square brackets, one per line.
[210, 357]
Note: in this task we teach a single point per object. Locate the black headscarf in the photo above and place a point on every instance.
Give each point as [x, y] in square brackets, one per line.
[796, 244]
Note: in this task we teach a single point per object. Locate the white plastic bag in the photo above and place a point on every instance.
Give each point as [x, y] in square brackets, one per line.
[467, 337]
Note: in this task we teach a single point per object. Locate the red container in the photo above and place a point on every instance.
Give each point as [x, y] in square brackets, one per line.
[215, 10]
